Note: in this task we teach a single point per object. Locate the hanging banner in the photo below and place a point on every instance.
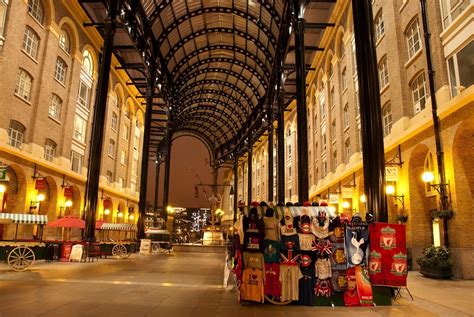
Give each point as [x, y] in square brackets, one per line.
[40, 184]
[391, 173]
[68, 193]
[356, 241]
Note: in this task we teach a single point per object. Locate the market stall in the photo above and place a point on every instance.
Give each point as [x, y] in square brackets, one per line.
[118, 239]
[311, 256]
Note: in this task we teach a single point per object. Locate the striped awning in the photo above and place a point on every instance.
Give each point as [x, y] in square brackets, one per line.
[25, 218]
[119, 226]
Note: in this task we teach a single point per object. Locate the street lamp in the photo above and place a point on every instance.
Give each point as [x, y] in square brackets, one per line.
[427, 176]
[390, 191]
[363, 198]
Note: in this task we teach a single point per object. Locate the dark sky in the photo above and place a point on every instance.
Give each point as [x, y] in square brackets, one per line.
[187, 152]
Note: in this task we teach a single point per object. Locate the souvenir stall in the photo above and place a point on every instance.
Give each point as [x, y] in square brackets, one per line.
[312, 256]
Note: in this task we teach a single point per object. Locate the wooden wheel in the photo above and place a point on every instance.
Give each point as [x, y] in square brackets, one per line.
[120, 251]
[276, 300]
[155, 247]
[21, 258]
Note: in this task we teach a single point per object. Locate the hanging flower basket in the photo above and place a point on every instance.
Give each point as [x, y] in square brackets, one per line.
[402, 218]
[447, 213]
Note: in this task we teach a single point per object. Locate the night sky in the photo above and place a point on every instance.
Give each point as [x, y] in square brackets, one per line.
[187, 152]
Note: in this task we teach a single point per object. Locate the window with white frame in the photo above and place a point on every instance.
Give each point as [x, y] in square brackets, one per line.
[333, 131]
[35, 9]
[3, 18]
[383, 73]
[23, 85]
[418, 89]
[49, 150]
[87, 63]
[346, 116]
[387, 119]
[114, 121]
[126, 132]
[65, 41]
[110, 177]
[347, 149]
[451, 9]
[60, 70]
[111, 150]
[76, 162]
[16, 134]
[344, 79]
[353, 56]
[334, 159]
[80, 125]
[54, 109]
[412, 35]
[461, 69]
[123, 157]
[30, 42]
[84, 94]
[322, 104]
[379, 26]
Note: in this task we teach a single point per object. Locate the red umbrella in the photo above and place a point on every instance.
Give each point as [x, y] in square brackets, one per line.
[98, 224]
[67, 222]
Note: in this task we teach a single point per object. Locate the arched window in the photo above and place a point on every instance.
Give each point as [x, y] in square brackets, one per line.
[379, 26]
[49, 150]
[65, 41]
[23, 85]
[412, 35]
[383, 72]
[35, 9]
[54, 110]
[60, 70]
[16, 134]
[30, 42]
[87, 63]
[418, 90]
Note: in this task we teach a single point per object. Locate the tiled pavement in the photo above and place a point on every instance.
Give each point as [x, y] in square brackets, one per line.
[188, 284]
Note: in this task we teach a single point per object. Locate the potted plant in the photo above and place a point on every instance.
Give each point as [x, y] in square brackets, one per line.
[402, 218]
[435, 262]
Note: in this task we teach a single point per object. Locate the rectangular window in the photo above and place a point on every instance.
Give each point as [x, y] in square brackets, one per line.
[344, 79]
[49, 150]
[418, 88]
[114, 121]
[79, 128]
[451, 9]
[111, 148]
[83, 97]
[379, 26]
[347, 146]
[325, 169]
[54, 110]
[324, 141]
[322, 105]
[23, 85]
[16, 134]
[461, 69]
[387, 119]
[346, 116]
[333, 98]
[334, 159]
[334, 131]
[110, 177]
[30, 43]
[76, 162]
[123, 157]
[383, 73]
[126, 132]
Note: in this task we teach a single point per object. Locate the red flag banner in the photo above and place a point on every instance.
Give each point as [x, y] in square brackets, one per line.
[388, 255]
[68, 193]
[40, 184]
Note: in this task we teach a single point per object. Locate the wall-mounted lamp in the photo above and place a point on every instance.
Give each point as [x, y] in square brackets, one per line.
[390, 191]
[363, 198]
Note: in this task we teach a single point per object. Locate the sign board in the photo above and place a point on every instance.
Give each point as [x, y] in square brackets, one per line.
[68, 192]
[333, 198]
[40, 184]
[391, 173]
[145, 247]
[76, 253]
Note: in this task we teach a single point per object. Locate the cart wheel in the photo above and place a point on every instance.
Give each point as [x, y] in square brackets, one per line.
[155, 247]
[276, 300]
[120, 251]
[21, 258]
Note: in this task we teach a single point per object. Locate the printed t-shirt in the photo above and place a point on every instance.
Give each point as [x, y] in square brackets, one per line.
[253, 260]
[271, 251]
[272, 279]
[290, 242]
[272, 228]
[306, 241]
[252, 288]
[289, 278]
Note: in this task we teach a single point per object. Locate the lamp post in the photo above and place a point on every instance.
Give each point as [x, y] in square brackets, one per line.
[391, 192]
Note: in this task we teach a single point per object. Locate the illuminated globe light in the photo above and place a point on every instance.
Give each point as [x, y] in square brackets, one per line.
[427, 176]
[68, 203]
[120, 214]
[363, 198]
[41, 197]
[131, 217]
[389, 189]
[345, 205]
[107, 211]
[3, 188]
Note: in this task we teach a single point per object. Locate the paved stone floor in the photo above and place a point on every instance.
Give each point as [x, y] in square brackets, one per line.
[188, 284]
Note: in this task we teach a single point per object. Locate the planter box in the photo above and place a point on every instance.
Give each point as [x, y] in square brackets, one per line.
[435, 272]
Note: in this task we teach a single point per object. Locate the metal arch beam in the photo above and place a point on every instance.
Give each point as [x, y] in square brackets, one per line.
[211, 10]
[201, 101]
[203, 129]
[206, 31]
[215, 92]
[183, 133]
[199, 133]
[225, 47]
[183, 81]
[188, 118]
[201, 110]
[217, 82]
[228, 61]
[164, 4]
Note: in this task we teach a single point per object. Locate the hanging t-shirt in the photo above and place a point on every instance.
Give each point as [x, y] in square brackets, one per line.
[289, 278]
[307, 261]
[306, 290]
[272, 279]
[252, 288]
[253, 234]
[287, 227]
[253, 260]
[271, 251]
[290, 242]
[323, 269]
[322, 247]
[306, 241]
[272, 228]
